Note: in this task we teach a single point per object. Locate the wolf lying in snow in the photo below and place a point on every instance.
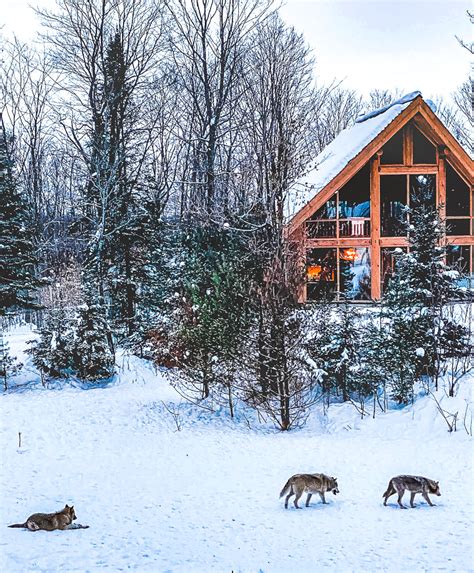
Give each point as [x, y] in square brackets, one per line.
[308, 483]
[414, 484]
[50, 521]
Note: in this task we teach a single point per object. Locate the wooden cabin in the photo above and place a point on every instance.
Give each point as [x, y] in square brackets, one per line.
[347, 215]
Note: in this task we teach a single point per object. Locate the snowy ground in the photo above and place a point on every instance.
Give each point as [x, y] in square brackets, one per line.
[205, 498]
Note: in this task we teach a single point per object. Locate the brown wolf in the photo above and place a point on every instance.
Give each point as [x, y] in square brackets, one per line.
[50, 521]
[414, 484]
[309, 483]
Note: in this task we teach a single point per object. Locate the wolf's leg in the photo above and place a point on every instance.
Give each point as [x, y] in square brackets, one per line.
[308, 498]
[32, 526]
[400, 495]
[76, 526]
[412, 497]
[298, 495]
[425, 495]
[321, 495]
[288, 497]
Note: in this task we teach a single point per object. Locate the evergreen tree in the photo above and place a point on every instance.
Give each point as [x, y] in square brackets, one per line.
[93, 359]
[18, 281]
[53, 351]
[8, 364]
[413, 305]
[214, 308]
[336, 350]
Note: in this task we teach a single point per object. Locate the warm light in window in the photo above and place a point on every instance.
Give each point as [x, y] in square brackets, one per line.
[348, 254]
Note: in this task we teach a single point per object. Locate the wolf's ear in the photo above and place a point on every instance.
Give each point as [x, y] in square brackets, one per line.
[437, 482]
[66, 506]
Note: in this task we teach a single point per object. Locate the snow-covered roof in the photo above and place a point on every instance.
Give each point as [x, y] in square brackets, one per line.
[349, 143]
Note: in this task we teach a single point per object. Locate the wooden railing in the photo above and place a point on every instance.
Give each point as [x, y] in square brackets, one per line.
[334, 228]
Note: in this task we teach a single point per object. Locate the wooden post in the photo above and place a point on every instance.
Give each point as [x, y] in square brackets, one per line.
[441, 185]
[375, 278]
[408, 145]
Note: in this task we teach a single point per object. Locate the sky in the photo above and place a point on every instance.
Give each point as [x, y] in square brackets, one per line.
[386, 44]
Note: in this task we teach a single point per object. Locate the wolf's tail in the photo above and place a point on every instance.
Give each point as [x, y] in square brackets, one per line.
[390, 489]
[18, 525]
[286, 488]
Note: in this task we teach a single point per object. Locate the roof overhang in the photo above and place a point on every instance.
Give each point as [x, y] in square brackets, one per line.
[431, 126]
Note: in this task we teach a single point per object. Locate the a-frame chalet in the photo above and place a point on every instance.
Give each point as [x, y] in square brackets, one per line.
[348, 215]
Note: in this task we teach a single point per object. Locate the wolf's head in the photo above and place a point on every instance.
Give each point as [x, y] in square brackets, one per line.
[333, 485]
[434, 487]
[70, 511]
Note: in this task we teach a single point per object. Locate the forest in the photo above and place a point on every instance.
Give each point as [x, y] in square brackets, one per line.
[147, 150]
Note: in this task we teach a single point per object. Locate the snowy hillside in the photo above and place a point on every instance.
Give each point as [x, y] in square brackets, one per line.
[205, 498]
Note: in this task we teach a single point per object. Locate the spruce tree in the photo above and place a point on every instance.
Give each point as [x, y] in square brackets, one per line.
[413, 305]
[93, 358]
[8, 364]
[18, 281]
[53, 351]
[336, 350]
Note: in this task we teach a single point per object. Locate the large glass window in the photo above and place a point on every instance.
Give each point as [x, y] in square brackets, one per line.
[354, 205]
[423, 150]
[459, 258]
[393, 204]
[422, 190]
[321, 269]
[458, 221]
[354, 272]
[323, 222]
[393, 150]
[390, 257]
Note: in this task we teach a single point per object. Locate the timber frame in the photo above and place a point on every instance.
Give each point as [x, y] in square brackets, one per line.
[417, 115]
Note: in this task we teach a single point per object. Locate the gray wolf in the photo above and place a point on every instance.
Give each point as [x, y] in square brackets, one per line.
[50, 521]
[414, 484]
[308, 483]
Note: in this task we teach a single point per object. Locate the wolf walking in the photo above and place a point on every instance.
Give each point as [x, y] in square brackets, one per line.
[414, 484]
[308, 483]
[50, 521]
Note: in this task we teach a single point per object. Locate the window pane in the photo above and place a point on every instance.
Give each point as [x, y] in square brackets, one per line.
[458, 227]
[354, 272]
[323, 222]
[423, 150]
[389, 260]
[457, 194]
[393, 150]
[422, 190]
[321, 273]
[354, 205]
[393, 201]
[354, 197]
[457, 257]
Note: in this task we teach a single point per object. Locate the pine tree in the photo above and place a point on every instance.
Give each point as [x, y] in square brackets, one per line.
[18, 281]
[214, 308]
[53, 351]
[93, 358]
[336, 349]
[413, 305]
[8, 364]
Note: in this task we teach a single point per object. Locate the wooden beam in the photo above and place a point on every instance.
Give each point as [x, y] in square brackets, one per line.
[460, 240]
[375, 228]
[393, 242]
[408, 145]
[356, 163]
[441, 184]
[422, 169]
[342, 242]
[432, 127]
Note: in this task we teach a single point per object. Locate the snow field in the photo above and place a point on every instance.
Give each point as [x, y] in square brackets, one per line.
[205, 499]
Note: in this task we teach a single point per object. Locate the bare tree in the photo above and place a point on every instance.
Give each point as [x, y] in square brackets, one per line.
[207, 42]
